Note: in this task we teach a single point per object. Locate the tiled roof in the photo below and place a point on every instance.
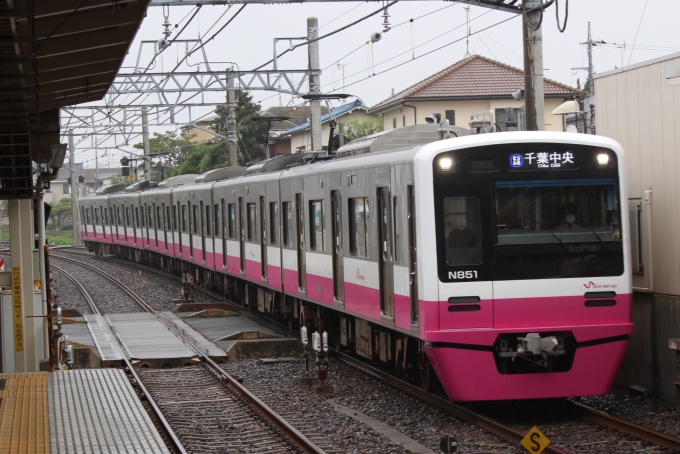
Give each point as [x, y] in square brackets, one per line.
[337, 111]
[473, 77]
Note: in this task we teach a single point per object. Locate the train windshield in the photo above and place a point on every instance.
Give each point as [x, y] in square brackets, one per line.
[557, 211]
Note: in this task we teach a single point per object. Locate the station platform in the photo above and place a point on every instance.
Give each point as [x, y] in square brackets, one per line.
[74, 412]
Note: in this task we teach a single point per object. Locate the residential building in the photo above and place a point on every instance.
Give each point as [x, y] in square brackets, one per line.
[472, 85]
[60, 187]
[300, 137]
[639, 107]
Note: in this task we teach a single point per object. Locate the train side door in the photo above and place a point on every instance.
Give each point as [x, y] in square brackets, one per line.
[300, 220]
[385, 265]
[242, 221]
[263, 237]
[338, 272]
[412, 255]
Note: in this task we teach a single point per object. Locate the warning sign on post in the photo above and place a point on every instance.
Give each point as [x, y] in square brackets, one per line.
[535, 442]
[18, 314]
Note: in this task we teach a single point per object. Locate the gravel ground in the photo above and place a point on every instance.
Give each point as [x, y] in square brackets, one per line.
[66, 294]
[107, 295]
[277, 384]
[157, 290]
[654, 413]
[563, 424]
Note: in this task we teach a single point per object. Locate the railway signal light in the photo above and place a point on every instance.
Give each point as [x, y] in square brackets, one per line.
[316, 342]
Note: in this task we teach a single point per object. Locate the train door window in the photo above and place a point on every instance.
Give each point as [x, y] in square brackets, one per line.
[273, 223]
[252, 214]
[87, 215]
[287, 223]
[195, 227]
[463, 230]
[106, 216]
[174, 218]
[152, 222]
[120, 217]
[217, 220]
[231, 220]
[184, 219]
[208, 223]
[159, 218]
[96, 216]
[397, 230]
[316, 225]
[358, 211]
[128, 219]
[137, 216]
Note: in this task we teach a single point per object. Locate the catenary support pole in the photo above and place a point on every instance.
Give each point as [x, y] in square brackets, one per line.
[533, 66]
[314, 83]
[591, 85]
[145, 138]
[232, 144]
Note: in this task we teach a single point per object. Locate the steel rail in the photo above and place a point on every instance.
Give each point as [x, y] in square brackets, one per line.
[167, 428]
[628, 427]
[283, 426]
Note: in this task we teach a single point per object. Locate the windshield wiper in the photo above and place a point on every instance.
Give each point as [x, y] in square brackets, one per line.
[564, 246]
[601, 241]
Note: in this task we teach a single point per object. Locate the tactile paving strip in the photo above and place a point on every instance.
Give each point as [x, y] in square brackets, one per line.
[23, 413]
[97, 411]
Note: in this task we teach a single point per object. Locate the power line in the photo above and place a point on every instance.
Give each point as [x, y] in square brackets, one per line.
[638, 31]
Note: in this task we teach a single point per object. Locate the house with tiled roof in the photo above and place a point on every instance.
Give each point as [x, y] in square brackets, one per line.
[472, 85]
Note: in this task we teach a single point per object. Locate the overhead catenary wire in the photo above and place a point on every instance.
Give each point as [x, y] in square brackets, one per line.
[638, 31]
[557, 15]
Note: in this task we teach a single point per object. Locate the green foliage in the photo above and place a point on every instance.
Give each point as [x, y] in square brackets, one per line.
[356, 128]
[60, 240]
[61, 215]
[250, 133]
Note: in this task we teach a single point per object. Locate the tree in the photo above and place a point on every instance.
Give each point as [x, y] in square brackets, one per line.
[250, 133]
[355, 128]
[177, 147]
[61, 215]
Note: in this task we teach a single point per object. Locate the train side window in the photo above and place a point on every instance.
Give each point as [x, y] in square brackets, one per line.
[106, 216]
[87, 215]
[184, 219]
[287, 223]
[358, 211]
[273, 223]
[463, 231]
[127, 217]
[208, 223]
[96, 216]
[316, 225]
[252, 213]
[120, 217]
[397, 232]
[174, 218]
[232, 220]
[217, 220]
[137, 216]
[159, 218]
[152, 223]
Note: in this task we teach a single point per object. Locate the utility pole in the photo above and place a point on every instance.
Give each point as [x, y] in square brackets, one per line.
[591, 86]
[74, 192]
[232, 144]
[314, 83]
[96, 166]
[145, 137]
[533, 65]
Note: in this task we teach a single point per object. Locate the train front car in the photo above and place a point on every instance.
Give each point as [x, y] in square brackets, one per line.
[524, 275]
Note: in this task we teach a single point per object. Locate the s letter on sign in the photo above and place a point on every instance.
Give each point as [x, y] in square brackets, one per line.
[535, 442]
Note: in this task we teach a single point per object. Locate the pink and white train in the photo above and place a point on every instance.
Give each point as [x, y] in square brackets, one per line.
[498, 261]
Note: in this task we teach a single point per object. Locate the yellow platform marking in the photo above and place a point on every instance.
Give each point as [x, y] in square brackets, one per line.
[23, 414]
[535, 441]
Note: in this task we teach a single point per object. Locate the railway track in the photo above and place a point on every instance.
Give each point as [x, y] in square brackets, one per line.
[476, 418]
[193, 431]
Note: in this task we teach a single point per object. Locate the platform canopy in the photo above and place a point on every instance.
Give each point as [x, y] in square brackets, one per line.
[55, 53]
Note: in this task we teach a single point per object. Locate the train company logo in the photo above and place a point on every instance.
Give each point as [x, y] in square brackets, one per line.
[593, 285]
[252, 254]
[360, 277]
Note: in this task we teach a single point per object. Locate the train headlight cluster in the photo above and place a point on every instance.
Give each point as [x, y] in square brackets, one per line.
[605, 159]
[446, 164]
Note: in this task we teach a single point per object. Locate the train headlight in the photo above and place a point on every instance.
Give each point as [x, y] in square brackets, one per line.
[445, 164]
[603, 159]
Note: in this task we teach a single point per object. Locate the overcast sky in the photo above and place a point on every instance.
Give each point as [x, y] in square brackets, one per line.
[248, 42]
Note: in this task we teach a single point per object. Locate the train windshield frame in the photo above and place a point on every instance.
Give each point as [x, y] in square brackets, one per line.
[500, 217]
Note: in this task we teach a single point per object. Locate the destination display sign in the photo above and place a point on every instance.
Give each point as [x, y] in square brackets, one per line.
[543, 160]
